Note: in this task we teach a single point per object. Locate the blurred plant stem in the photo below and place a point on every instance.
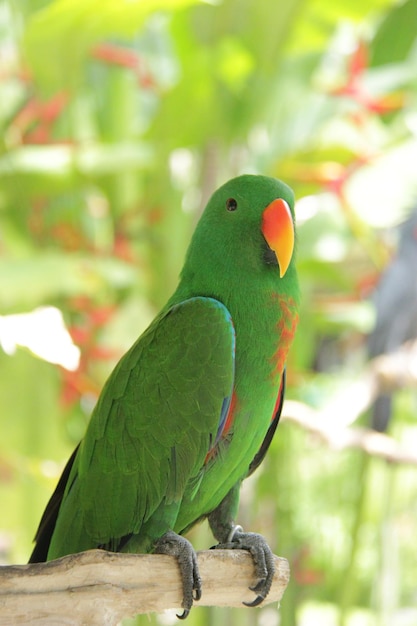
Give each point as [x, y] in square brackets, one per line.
[349, 580]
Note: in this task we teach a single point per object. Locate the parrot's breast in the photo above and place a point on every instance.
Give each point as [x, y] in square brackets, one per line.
[262, 345]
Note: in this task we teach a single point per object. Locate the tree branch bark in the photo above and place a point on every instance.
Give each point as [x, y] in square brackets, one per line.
[98, 587]
[332, 424]
[340, 437]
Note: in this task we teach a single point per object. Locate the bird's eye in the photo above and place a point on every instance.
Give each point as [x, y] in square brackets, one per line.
[231, 204]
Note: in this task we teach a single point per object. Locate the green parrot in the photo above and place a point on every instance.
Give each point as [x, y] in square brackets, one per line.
[190, 410]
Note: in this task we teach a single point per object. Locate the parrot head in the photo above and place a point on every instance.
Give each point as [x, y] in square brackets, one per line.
[248, 225]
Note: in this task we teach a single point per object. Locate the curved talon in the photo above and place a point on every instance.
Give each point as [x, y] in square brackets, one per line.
[197, 594]
[255, 602]
[183, 615]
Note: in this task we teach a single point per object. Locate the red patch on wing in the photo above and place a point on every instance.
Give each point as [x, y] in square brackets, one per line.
[230, 415]
[226, 428]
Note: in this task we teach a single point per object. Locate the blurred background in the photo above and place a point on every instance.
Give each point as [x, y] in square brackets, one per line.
[118, 119]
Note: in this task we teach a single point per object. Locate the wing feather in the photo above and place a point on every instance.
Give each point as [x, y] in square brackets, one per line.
[155, 420]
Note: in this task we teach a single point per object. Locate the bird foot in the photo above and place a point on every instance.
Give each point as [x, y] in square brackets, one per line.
[262, 556]
[175, 545]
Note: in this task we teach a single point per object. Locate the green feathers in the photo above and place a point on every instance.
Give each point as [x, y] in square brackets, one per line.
[187, 409]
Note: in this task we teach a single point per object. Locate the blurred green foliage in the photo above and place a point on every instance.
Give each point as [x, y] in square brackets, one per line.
[118, 120]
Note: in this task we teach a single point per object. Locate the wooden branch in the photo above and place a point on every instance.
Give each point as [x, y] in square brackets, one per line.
[384, 374]
[98, 587]
[339, 437]
[332, 424]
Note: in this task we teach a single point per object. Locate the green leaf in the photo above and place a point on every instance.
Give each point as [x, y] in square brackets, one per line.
[396, 35]
[61, 162]
[27, 282]
[59, 36]
[234, 63]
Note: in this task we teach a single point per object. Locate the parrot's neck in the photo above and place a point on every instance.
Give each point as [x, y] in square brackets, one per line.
[265, 327]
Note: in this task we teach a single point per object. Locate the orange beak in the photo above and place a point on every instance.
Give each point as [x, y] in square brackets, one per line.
[278, 230]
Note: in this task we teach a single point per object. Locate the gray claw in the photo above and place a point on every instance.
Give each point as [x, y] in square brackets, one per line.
[263, 560]
[255, 602]
[197, 593]
[175, 545]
